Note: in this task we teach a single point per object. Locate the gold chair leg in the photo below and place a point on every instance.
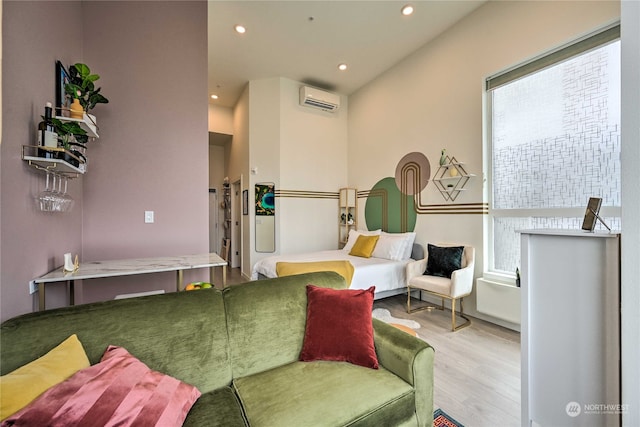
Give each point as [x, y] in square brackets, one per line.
[409, 310]
[425, 307]
[453, 315]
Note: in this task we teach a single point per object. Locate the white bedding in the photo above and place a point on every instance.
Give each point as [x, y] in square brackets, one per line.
[384, 274]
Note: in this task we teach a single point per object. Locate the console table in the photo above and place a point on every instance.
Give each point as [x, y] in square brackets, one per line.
[128, 267]
[570, 328]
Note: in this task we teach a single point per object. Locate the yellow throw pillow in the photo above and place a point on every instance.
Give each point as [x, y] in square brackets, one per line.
[343, 268]
[20, 387]
[364, 246]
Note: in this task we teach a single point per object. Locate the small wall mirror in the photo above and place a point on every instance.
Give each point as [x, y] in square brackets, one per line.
[265, 206]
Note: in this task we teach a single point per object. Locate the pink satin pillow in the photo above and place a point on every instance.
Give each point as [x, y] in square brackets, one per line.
[339, 326]
[120, 390]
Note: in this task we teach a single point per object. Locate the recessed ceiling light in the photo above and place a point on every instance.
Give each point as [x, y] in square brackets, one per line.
[240, 29]
[342, 67]
[214, 96]
[407, 10]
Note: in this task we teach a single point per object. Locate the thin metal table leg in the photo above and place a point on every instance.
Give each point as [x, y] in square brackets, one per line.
[179, 280]
[41, 303]
[72, 292]
[224, 276]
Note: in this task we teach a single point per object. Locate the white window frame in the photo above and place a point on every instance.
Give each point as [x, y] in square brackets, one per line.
[578, 47]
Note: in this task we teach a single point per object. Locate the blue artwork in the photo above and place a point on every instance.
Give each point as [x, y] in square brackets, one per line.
[265, 200]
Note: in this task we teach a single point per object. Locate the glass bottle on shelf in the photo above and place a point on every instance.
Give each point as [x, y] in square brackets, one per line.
[47, 136]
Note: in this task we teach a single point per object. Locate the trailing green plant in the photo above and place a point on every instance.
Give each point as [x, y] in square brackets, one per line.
[82, 86]
[70, 133]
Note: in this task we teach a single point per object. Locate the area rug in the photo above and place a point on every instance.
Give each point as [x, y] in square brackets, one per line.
[442, 419]
[385, 315]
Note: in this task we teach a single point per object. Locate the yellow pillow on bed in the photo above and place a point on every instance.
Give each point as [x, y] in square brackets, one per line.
[343, 268]
[364, 246]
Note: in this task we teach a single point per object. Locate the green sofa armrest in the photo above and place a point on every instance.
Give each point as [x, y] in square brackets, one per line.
[411, 359]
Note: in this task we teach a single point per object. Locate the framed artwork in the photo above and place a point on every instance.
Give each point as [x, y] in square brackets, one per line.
[63, 101]
[265, 199]
[245, 202]
[591, 213]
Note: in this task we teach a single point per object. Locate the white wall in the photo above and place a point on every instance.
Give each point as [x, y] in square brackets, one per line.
[220, 119]
[299, 150]
[237, 158]
[313, 158]
[630, 208]
[434, 99]
[264, 118]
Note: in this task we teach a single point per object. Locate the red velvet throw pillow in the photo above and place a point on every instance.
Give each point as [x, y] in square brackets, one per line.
[118, 391]
[339, 326]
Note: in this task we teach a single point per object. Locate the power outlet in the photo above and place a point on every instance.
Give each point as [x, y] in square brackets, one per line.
[148, 217]
[33, 287]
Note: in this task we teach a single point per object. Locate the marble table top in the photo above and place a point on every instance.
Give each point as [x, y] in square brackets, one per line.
[125, 267]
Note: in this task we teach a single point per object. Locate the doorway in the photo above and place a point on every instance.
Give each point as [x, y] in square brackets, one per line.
[219, 193]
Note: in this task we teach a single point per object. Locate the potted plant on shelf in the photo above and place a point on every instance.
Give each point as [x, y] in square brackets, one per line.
[81, 88]
[72, 138]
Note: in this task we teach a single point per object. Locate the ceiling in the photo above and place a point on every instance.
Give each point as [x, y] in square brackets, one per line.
[305, 40]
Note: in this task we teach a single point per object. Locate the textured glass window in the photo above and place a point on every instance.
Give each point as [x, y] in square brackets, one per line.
[555, 142]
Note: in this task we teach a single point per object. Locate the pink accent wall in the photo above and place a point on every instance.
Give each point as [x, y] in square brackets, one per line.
[33, 242]
[152, 153]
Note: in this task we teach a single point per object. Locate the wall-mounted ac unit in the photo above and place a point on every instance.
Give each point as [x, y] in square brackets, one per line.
[316, 98]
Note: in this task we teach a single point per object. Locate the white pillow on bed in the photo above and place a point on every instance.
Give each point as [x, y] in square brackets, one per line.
[354, 234]
[394, 246]
[410, 238]
[390, 246]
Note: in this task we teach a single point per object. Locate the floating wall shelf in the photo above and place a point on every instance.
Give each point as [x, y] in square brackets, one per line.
[450, 178]
[36, 156]
[87, 123]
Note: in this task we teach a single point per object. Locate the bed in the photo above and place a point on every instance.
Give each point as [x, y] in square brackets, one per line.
[385, 269]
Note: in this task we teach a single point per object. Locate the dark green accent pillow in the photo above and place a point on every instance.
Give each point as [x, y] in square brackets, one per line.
[442, 261]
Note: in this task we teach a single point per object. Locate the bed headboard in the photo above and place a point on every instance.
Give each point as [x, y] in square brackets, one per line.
[417, 252]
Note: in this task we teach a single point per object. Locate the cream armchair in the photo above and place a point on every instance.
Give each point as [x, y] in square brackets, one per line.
[457, 287]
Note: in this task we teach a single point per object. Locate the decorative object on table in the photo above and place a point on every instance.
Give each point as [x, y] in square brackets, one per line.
[81, 86]
[443, 157]
[70, 266]
[592, 213]
[517, 277]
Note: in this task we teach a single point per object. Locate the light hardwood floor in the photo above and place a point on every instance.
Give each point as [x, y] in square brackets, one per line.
[476, 369]
[234, 277]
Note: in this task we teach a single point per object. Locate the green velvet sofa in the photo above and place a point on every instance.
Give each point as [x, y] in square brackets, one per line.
[240, 347]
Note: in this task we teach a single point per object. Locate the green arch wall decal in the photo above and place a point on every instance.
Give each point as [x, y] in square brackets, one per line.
[383, 208]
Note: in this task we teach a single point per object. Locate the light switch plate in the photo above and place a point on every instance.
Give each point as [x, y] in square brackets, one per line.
[148, 217]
